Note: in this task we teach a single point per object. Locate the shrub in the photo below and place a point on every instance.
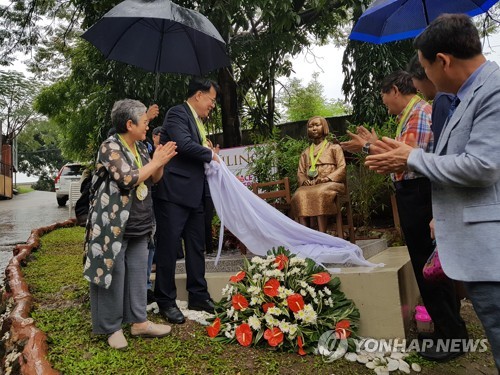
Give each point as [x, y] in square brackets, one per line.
[44, 183]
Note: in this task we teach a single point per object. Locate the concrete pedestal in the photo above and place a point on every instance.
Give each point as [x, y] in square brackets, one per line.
[385, 296]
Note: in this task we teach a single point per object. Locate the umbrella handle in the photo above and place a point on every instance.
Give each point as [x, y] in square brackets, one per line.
[157, 84]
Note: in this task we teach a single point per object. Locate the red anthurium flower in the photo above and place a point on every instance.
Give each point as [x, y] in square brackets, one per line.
[271, 288]
[244, 334]
[342, 329]
[238, 277]
[266, 306]
[321, 278]
[295, 302]
[300, 343]
[239, 302]
[281, 260]
[214, 328]
[274, 336]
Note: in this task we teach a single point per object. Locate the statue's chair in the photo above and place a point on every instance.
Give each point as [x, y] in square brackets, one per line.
[344, 224]
[276, 193]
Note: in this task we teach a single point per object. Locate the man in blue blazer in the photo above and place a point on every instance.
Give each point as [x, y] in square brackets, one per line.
[180, 202]
[465, 168]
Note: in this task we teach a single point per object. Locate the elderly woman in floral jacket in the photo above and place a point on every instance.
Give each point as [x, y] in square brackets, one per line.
[118, 226]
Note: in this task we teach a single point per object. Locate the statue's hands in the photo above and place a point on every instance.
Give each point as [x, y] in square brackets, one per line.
[321, 180]
[307, 183]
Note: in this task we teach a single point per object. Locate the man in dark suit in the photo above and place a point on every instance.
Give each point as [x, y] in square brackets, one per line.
[180, 202]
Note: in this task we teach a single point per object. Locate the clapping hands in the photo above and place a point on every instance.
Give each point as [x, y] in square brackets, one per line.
[164, 153]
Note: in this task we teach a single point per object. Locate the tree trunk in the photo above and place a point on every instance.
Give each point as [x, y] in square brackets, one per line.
[231, 123]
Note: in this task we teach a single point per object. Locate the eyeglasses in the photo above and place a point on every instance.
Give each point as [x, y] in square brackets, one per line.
[213, 100]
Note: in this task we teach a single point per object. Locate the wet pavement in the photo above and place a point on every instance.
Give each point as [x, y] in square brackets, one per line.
[21, 214]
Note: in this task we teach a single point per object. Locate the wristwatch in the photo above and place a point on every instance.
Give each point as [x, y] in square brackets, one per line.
[366, 148]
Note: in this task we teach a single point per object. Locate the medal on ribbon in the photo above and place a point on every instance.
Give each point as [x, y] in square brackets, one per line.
[312, 172]
[141, 191]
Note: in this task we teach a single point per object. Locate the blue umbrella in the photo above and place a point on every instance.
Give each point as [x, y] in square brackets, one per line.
[390, 20]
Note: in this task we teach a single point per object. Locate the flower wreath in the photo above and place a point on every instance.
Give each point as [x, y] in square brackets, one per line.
[283, 301]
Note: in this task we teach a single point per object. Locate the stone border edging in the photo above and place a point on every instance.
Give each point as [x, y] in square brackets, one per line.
[23, 336]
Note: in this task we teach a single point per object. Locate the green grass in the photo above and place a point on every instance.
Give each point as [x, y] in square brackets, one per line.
[21, 189]
[62, 311]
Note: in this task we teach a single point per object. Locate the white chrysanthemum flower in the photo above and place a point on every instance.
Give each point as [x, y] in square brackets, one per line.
[303, 293]
[230, 312]
[227, 327]
[316, 301]
[274, 311]
[297, 260]
[310, 314]
[300, 315]
[303, 284]
[311, 291]
[254, 290]
[229, 334]
[284, 326]
[225, 289]
[256, 260]
[235, 316]
[254, 323]
[255, 301]
[274, 273]
[321, 294]
[327, 291]
[230, 292]
[257, 277]
[292, 329]
[283, 292]
[271, 321]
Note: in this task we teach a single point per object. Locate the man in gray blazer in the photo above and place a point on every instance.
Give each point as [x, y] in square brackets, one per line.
[465, 169]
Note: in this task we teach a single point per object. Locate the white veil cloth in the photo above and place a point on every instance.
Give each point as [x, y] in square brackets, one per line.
[260, 227]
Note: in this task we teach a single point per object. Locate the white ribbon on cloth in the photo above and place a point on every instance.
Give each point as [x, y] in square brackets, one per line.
[260, 227]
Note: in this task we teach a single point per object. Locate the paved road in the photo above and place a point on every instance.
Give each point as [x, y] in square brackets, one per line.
[21, 214]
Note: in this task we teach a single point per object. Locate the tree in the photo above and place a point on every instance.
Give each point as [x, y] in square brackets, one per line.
[303, 102]
[362, 80]
[365, 65]
[38, 149]
[260, 35]
[16, 97]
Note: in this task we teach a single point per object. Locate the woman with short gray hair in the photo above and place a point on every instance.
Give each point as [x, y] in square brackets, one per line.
[119, 224]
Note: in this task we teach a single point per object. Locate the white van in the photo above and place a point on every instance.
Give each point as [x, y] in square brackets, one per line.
[71, 172]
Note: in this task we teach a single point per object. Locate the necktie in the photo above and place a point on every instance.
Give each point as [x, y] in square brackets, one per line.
[201, 129]
[454, 104]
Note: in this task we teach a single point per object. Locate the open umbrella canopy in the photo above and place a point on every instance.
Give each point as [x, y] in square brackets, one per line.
[159, 36]
[390, 20]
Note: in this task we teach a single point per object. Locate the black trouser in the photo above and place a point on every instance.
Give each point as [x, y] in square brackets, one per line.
[440, 298]
[174, 222]
[209, 215]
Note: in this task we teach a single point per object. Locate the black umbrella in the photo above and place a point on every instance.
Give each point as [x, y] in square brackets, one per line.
[159, 36]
